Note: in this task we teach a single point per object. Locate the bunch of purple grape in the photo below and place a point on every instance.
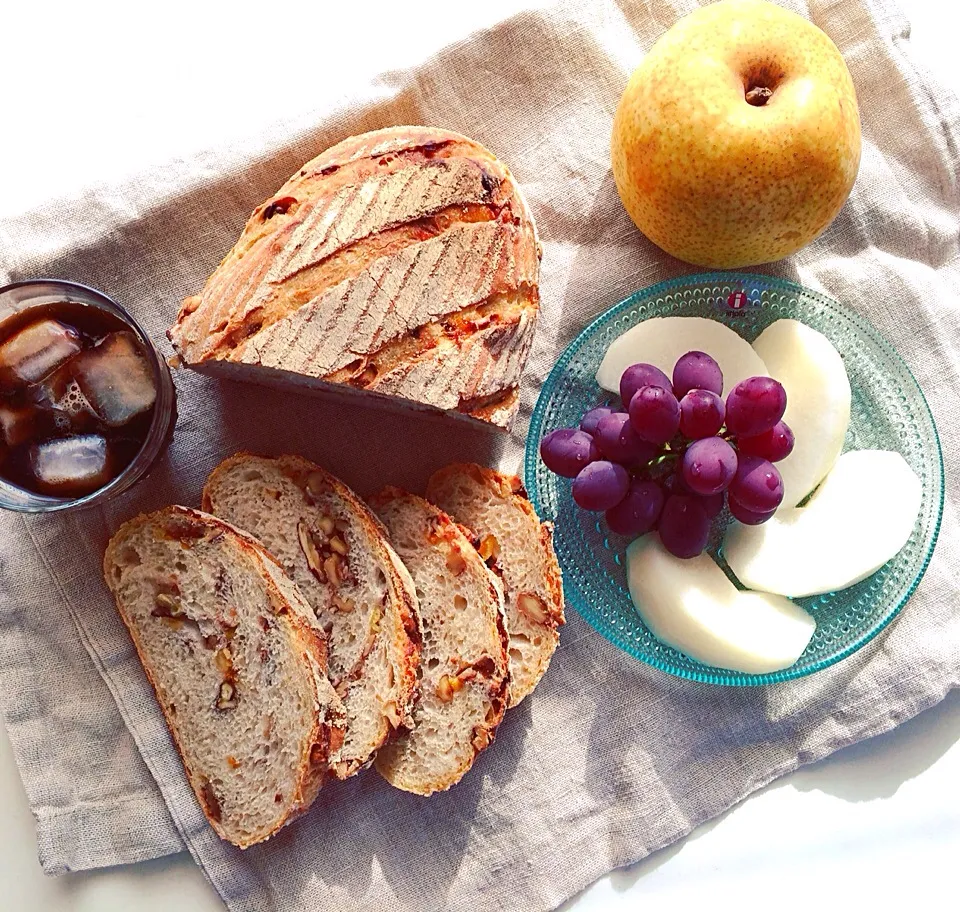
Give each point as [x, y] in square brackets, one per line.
[671, 460]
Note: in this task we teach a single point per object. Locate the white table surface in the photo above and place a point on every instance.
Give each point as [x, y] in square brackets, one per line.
[135, 84]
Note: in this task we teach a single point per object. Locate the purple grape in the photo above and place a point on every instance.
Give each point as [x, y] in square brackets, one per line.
[639, 511]
[637, 375]
[748, 517]
[713, 504]
[684, 526]
[755, 405]
[618, 441]
[757, 485]
[600, 485]
[696, 370]
[709, 465]
[701, 414]
[566, 451]
[773, 445]
[589, 422]
[654, 414]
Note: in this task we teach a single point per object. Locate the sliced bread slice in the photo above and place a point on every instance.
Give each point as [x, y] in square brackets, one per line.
[519, 547]
[239, 674]
[465, 671]
[360, 594]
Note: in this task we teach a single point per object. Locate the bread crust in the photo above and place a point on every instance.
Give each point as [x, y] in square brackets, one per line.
[406, 641]
[547, 588]
[313, 768]
[389, 255]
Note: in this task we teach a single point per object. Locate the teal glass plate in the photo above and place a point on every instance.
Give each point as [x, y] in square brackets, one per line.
[889, 412]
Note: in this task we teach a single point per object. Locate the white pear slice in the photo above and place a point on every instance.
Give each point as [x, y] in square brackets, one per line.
[692, 606]
[859, 518]
[818, 402]
[662, 340]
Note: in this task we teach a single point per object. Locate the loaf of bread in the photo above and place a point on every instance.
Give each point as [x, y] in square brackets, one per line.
[465, 670]
[237, 669]
[402, 263]
[512, 539]
[360, 593]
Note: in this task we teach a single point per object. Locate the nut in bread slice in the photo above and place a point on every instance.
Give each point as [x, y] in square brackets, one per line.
[360, 594]
[465, 670]
[512, 539]
[239, 674]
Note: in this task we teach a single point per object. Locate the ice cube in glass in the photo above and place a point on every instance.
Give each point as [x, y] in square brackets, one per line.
[71, 466]
[36, 351]
[62, 402]
[16, 424]
[116, 379]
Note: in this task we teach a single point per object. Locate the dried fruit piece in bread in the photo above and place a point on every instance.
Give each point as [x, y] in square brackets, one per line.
[511, 537]
[361, 595]
[238, 672]
[465, 667]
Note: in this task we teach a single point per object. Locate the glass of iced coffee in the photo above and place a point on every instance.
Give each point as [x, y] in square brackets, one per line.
[87, 404]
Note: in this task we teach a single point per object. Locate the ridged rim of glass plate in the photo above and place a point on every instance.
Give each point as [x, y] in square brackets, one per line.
[709, 674]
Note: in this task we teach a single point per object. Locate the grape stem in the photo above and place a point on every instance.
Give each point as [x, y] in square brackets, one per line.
[661, 466]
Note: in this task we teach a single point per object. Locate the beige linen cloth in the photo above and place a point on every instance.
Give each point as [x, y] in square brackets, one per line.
[610, 759]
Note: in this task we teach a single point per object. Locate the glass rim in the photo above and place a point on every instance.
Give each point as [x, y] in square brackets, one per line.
[163, 417]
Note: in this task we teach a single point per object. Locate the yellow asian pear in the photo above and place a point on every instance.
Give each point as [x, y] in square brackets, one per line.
[737, 139]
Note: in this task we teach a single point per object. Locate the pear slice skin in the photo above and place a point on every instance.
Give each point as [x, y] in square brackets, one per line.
[692, 606]
[859, 518]
[662, 340]
[818, 402]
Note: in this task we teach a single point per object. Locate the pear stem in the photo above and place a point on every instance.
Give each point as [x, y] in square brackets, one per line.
[758, 96]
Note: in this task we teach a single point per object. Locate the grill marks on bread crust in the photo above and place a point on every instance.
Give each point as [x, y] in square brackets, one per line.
[394, 296]
[385, 237]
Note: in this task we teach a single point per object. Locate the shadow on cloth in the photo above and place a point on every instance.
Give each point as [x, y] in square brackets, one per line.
[369, 826]
[878, 767]
[368, 446]
[864, 771]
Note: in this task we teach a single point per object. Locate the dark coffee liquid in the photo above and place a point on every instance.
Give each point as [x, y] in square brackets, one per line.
[76, 399]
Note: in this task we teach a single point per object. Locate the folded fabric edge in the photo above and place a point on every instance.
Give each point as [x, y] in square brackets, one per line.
[45, 775]
[945, 101]
[110, 835]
